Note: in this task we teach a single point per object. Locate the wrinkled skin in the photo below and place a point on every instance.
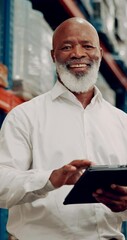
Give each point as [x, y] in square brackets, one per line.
[76, 42]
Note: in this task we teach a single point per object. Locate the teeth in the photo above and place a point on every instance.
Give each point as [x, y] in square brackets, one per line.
[78, 65]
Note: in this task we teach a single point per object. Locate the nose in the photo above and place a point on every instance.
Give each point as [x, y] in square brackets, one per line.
[77, 52]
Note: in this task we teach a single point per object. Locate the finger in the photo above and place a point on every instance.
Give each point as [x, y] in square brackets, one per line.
[68, 169]
[81, 163]
[115, 202]
[115, 206]
[112, 195]
[119, 189]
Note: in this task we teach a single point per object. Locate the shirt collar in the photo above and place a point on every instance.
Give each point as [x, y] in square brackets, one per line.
[97, 95]
[60, 90]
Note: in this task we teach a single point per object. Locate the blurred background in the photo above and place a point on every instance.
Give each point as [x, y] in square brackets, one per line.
[26, 68]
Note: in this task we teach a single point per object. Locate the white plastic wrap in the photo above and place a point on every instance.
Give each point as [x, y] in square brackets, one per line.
[121, 30]
[33, 71]
[107, 16]
[113, 15]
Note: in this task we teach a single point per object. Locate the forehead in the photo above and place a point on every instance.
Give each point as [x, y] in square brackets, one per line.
[71, 31]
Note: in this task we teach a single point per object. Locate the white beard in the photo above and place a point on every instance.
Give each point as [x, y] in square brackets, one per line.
[81, 83]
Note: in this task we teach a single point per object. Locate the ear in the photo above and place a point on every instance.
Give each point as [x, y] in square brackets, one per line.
[101, 52]
[52, 55]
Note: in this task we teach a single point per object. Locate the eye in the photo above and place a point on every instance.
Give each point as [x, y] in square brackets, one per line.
[89, 47]
[66, 47]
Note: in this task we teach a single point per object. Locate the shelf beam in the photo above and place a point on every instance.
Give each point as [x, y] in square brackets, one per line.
[74, 11]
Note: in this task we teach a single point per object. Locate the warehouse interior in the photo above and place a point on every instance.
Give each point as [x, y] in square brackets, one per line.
[26, 29]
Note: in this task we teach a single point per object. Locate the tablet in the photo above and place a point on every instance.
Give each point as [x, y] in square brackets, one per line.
[94, 177]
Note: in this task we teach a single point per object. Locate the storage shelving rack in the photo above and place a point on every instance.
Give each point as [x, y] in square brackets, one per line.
[110, 69]
[112, 72]
[7, 99]
[6, 18]
[6, 35]
[117, 79]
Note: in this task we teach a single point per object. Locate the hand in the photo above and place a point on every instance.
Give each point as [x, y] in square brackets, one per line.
[68, 174]
[116, 199]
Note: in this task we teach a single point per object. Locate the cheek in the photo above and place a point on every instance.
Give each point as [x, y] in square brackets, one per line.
[95, 56]
[61, 57]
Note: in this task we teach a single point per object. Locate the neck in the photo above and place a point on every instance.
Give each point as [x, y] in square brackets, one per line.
[85, 98]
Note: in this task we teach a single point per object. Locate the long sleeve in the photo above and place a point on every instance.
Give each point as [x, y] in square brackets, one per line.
[18, 182]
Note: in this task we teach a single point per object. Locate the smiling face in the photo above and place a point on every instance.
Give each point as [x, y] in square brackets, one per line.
[76, 48]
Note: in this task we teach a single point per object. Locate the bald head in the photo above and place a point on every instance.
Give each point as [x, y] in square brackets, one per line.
[73, 23]
[77, 54]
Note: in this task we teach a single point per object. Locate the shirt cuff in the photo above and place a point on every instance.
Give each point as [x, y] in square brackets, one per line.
[47, 188]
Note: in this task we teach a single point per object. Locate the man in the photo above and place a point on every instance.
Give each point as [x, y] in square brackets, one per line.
[47, 142]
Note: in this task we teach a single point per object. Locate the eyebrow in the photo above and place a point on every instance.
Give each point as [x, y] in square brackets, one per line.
[67, 42]
[82, 41]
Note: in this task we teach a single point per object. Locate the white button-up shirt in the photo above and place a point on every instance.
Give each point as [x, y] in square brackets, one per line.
[46, 133]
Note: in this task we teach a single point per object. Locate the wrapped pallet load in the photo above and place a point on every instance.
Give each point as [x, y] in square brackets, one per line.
[33, 71]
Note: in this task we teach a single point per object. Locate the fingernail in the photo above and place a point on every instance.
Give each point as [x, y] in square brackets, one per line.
[113, 186]
[99, 191]
[94, 195]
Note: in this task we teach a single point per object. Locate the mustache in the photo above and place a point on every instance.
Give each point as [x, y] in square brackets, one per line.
[79, 61]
